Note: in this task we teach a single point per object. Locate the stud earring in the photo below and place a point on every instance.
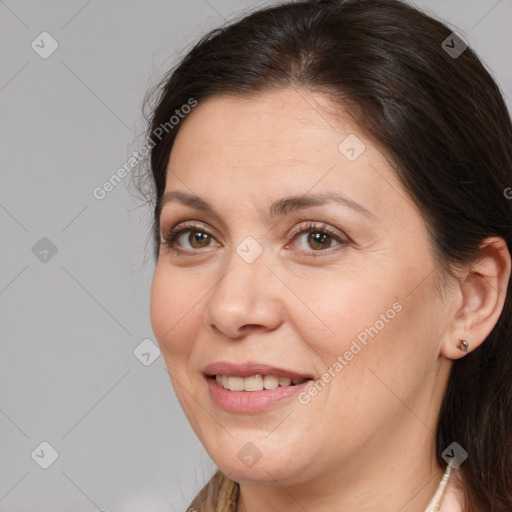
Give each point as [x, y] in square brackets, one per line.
[463, 345]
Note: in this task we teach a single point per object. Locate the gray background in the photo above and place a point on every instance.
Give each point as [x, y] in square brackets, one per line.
[69, 324]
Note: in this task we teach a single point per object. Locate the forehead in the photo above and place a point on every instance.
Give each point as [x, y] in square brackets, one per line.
[282, 141]
[279, 119]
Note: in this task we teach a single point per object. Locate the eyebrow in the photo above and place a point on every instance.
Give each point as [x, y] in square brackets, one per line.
[278, 208]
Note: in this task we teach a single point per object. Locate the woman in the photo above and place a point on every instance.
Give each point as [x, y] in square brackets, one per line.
[332, 233]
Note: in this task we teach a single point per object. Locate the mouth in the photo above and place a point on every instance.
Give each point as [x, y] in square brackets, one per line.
[252, 387]
[255, 382]
[252, 376]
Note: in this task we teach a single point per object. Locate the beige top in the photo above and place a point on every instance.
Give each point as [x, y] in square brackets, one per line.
[220, 494]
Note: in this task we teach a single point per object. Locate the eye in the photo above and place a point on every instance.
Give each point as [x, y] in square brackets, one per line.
[319, 238]
[198, 237]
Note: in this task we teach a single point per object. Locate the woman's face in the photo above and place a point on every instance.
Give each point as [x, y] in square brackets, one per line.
[338, 291]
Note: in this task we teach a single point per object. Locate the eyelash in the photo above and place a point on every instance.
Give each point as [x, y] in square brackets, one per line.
[173, 234]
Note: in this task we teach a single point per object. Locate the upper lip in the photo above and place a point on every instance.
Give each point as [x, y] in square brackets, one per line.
[250, 368]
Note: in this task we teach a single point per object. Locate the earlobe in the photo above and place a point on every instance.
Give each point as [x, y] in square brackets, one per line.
[483, 289]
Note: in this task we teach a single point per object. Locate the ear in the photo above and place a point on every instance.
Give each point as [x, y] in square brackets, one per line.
[483, 288]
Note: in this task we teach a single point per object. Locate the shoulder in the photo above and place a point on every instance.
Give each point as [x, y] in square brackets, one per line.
[220, 494]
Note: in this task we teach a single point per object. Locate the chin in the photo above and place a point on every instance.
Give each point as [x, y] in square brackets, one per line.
[262, 471]
[258, 458]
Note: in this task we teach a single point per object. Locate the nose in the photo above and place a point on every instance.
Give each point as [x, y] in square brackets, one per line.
[245, 299]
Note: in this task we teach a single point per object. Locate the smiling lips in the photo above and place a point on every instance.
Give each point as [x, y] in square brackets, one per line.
[251, 387]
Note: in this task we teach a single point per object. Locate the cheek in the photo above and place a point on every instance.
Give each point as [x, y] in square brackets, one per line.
[335, 312]
[174, 310]
[375, 325]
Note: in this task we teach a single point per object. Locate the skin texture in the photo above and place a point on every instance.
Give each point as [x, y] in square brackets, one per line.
[366, 441]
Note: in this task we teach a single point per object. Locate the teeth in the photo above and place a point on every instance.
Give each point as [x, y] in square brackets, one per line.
[234, 383]
[270, 382]
[254, 382]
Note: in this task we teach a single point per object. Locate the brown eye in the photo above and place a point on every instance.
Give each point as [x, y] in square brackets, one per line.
[197, 238]
[319, 238]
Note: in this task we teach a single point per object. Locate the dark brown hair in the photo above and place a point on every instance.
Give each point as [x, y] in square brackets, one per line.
[446, 129]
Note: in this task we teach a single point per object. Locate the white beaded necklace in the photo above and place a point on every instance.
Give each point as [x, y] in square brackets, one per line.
[435, 502]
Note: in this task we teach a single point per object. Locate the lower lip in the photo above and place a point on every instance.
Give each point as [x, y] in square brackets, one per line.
[252, 401]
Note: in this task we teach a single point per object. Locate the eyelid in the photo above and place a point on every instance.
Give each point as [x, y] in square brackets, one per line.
[306, 226]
